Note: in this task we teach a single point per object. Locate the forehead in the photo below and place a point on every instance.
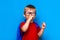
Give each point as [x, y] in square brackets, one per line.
[30, 9]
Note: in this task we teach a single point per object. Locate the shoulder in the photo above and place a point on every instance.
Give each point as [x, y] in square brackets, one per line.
[36, 24]
[22, 23]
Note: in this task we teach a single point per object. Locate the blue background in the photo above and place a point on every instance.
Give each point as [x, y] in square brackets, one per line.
[11, 15]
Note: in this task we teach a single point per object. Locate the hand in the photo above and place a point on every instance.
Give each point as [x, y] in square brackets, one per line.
[43, 25]
[30, 17]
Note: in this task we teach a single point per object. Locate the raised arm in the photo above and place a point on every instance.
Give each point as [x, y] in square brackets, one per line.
[26, 25]
[42, 30]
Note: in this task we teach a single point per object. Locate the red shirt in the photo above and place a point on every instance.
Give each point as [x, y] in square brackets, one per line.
[31, 33]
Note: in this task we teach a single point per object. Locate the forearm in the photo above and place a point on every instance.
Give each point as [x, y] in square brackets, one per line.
[25, 26]
[40, 32]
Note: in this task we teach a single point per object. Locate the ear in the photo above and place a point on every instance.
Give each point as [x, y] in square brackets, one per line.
[24, 15]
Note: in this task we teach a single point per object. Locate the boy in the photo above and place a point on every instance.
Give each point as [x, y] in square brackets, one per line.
[30, 30]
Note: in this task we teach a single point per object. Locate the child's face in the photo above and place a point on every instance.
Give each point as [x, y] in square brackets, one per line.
[29, 11]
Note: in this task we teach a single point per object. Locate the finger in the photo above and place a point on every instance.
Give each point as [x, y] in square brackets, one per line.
[44, 23]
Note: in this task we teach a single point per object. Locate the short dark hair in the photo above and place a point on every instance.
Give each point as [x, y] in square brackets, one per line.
[31, 6]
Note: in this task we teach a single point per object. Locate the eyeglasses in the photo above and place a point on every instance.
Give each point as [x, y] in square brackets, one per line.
[28, 13]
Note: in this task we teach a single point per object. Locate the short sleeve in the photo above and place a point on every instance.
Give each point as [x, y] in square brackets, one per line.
[22, 24]
[38, 29]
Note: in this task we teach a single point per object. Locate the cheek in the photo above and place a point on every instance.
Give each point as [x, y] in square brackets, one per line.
[27, 17]
[33, 16]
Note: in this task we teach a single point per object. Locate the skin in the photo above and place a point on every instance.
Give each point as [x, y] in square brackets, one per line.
[29, 19]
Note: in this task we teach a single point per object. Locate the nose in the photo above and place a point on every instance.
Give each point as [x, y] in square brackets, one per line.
[30, 13]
